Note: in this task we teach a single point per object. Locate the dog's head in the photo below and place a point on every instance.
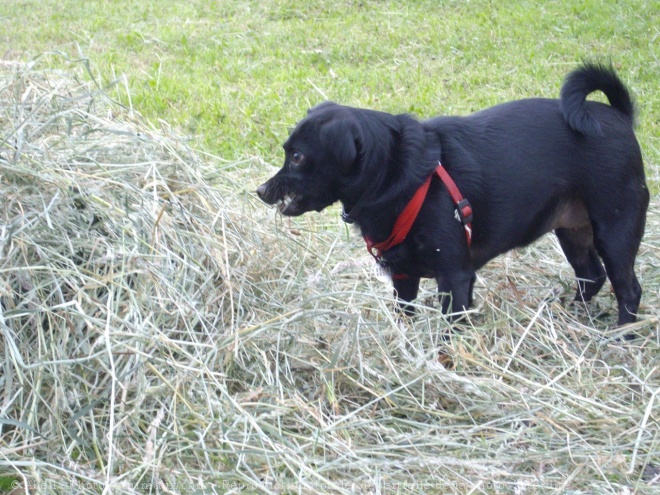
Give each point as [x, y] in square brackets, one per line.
[320, 152]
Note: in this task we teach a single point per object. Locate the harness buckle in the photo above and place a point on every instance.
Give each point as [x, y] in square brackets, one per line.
[464, 210]
[373, 250]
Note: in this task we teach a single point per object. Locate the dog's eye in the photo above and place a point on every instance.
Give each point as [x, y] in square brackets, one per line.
[297, 158]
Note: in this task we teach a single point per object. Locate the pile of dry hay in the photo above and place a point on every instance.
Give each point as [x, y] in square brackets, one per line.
[162, 332]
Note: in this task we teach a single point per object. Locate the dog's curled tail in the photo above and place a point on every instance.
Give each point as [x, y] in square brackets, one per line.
[587, 79]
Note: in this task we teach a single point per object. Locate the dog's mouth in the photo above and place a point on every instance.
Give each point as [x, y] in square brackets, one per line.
[288, 204]
[293, 203]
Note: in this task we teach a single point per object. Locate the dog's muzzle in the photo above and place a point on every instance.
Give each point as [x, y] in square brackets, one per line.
[283, 204]
[261, 192]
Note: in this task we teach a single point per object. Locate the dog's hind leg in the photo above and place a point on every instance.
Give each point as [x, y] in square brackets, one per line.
[578, 246]
[621, 273]
[617, 237]
[619, 257]
[405, 290]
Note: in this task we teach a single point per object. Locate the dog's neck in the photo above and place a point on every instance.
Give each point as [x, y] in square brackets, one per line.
[390, 180]
[375, 220]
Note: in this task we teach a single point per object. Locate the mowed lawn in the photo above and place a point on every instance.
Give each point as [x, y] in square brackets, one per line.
[235, 75]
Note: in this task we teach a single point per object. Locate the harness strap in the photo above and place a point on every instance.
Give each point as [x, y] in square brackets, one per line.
[403, 224]
[409, 214]
[463, 207]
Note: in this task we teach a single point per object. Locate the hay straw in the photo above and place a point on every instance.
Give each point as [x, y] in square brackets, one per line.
[163, 332]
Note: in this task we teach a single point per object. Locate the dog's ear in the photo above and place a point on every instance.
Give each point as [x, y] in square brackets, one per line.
[341, 137]
[321, 106]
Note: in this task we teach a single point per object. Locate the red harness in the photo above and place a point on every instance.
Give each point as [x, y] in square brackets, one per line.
[407, 217]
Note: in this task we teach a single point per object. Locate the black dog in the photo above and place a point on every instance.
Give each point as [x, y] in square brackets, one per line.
[526, 167]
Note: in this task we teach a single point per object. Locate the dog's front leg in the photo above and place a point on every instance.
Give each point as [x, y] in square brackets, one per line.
[455, 292]
[405, 290]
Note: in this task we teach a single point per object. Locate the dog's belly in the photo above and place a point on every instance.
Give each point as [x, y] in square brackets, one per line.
[568, 214]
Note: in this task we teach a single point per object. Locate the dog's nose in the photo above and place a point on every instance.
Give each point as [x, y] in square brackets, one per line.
[261, 190]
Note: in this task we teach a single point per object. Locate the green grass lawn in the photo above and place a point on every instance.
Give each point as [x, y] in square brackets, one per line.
[235, 75]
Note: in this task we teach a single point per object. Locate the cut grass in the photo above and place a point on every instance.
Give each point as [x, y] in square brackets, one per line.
[162, 332]
[236, 75]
